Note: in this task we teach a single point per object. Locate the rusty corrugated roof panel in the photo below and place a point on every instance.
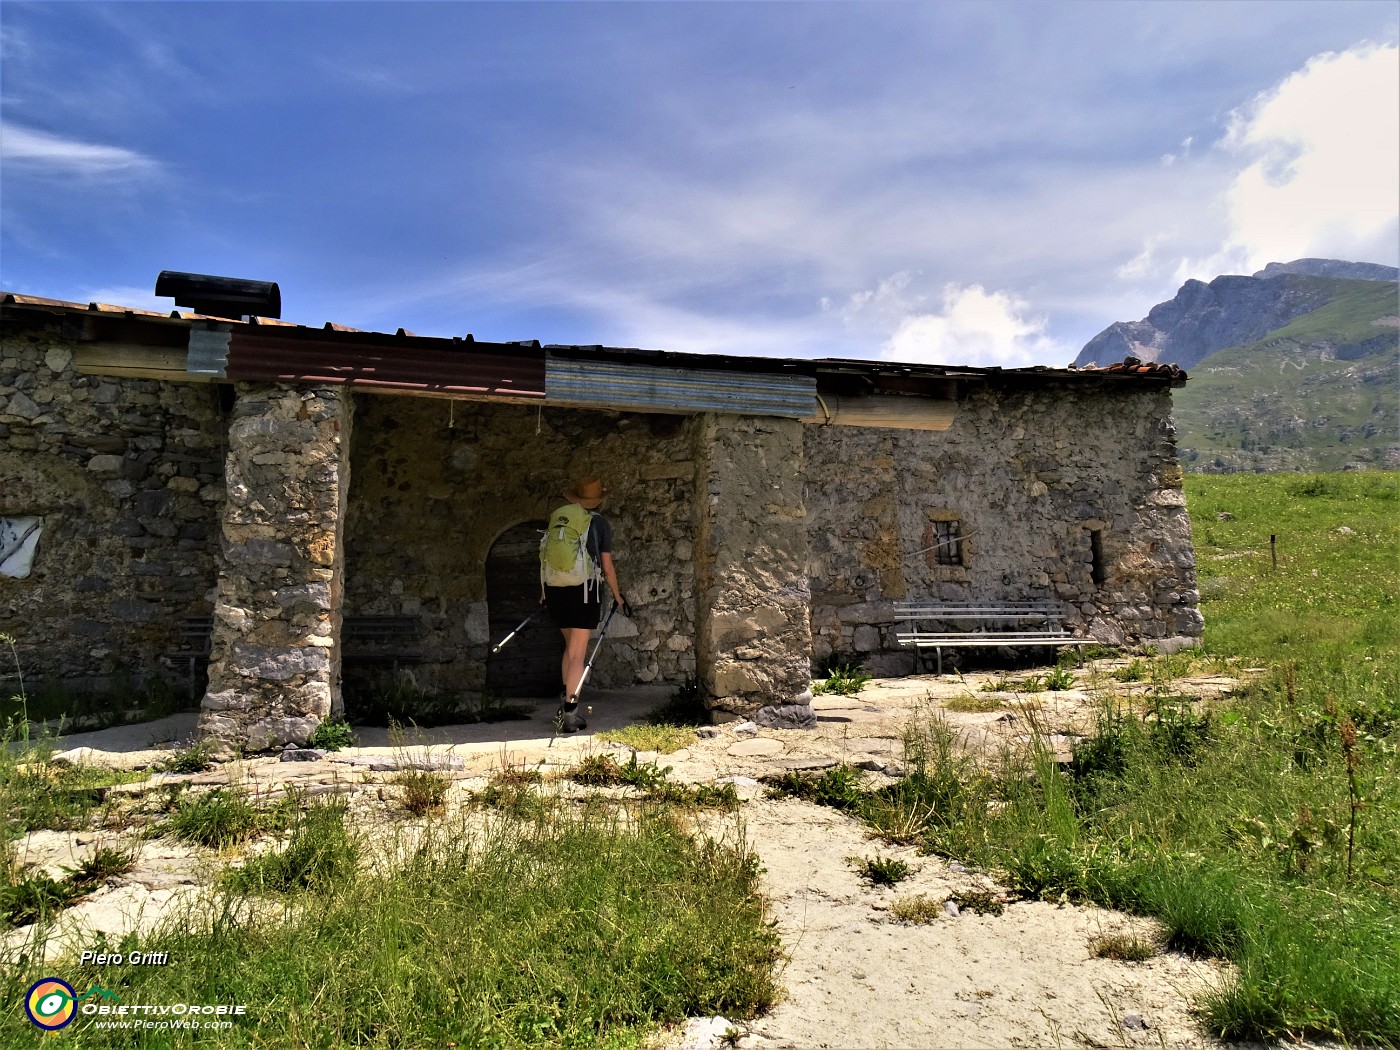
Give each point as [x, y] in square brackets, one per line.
[406, 364]
[518, 368]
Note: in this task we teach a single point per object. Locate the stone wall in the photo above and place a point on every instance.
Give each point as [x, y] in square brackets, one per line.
[1028, 475]
[127, 475]
[274, 665]
[435, 483]
[754, 639]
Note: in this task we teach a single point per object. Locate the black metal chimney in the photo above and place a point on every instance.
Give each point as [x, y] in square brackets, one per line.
[229, 297]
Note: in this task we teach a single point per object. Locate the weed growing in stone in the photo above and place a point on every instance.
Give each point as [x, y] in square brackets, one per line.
[1124, 947]
[917, 910]
[220, 818]
[1133, 671]
[423, 791]
[106, 862]
[839, 786]
[660, 736]
[193, 757]
[606, 771]
[847, 680]
[334, 734]
[881, 871]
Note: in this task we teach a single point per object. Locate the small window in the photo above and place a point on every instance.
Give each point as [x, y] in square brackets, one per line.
[19, 539]
[1096, 562]
[947, 543]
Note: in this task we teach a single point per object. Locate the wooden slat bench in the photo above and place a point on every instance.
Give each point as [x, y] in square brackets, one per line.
[994, 624]
[374, 641]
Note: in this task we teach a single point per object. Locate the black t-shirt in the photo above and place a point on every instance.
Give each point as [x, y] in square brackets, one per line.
[599, 538]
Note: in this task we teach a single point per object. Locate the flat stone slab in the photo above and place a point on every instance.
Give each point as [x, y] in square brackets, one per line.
[759, 747]
[389, 763]
[799, 765]
[875, 745]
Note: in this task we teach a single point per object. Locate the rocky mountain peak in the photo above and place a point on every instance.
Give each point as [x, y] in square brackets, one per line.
[1231, 310]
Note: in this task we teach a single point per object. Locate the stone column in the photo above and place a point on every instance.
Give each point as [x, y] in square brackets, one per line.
[274, 667]
[754, 640]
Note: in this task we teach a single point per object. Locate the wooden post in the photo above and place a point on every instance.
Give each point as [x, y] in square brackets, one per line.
[1273, 551]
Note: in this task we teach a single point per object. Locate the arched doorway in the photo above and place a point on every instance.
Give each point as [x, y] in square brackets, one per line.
[529, 665]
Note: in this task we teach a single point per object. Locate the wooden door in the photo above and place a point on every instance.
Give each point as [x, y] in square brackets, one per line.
[529, 665]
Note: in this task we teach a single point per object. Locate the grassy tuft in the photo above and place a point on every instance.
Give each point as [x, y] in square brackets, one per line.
[194, 757]
[658, 736]
[847, 680]
[334, 734]
[881, 871]
[423, 791]
[321, 856]
[224, 817]
[918, 910]
[1124, 947]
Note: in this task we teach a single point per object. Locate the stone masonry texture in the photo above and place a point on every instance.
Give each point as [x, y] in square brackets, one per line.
[751, 548]
[128, 477]
[274, 666]
[1027, 475]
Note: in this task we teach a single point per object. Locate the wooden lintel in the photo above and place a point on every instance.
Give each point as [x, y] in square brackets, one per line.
[890, 412]
[129, 360]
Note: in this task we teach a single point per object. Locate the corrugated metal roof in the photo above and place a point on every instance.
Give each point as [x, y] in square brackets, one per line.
[586, 383]
[391, 363]
[410, 362]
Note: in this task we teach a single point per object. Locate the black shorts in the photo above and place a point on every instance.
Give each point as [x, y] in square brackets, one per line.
[567, 607]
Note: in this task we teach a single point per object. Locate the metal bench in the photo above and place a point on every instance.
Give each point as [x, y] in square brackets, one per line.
[369, 641]
[993, 625]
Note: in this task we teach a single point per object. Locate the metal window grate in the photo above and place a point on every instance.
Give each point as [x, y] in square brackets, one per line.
[949, 543]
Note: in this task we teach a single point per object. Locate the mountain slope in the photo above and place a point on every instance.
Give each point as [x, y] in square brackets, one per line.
[1333, 268]
[1230, 311]
[1318, 394]
[1204, 318]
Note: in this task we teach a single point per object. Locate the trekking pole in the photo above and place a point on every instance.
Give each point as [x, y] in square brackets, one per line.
[502, 643]
[596, 646]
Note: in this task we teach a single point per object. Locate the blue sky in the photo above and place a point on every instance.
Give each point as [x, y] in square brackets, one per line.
[965, 183]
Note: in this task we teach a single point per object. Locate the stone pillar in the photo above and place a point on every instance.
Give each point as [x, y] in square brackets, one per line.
[754, 640]
[274, 667]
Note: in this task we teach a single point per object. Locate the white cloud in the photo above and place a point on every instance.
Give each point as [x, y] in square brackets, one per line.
[1322, 153]
[50, 154]
[976, 327]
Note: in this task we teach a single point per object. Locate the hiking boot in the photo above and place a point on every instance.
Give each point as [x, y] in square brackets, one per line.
[570, 721]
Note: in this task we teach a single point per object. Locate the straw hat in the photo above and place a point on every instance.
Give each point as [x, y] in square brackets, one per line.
[588, 493]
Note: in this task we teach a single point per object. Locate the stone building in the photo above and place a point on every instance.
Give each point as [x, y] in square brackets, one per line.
[276, 480]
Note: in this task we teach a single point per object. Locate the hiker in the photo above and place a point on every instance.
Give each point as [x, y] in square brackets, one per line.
[575, 559]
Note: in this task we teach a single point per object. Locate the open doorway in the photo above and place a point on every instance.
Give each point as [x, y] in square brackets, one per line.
[529, 665]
